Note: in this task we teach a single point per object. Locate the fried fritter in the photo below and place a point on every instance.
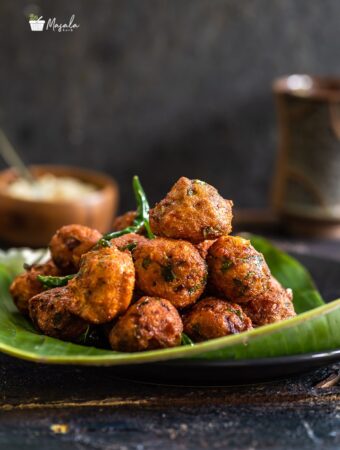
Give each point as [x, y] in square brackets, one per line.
[26, 285]
[272, 306]
[103, 287]
[192, 210]
[237, 270]
[170, 269]
[69, 243]
[50, 314]
[212, 318]
[149, 324]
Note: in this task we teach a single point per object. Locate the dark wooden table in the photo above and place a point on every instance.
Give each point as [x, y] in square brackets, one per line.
[60, 407]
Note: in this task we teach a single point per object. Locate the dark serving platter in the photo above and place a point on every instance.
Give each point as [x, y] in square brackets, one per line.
[326, 274]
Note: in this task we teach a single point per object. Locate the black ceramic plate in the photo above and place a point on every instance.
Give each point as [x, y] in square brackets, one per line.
[325, 272]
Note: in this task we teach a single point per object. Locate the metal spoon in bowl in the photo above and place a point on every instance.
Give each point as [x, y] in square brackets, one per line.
[12, 158]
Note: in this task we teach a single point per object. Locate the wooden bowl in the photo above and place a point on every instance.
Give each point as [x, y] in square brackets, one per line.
[32, 223]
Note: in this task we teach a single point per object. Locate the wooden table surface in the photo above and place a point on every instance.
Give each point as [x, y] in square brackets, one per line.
[60, 407]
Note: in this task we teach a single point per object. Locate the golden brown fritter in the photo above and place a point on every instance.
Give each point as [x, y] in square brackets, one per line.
[124, 221]
[50, 314]
[203, 247]
[170, 269]
[192, 210]
[128, 241]
[236, 269]
[272, 306]
[26, 285]
[211, 318]
[69, 243]
[149, 324]
[104, 285]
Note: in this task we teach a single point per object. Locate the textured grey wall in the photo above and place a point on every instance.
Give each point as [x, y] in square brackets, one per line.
[160, 88]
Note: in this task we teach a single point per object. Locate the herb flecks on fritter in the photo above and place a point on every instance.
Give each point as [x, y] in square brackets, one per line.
[135, 281]
[128, 241]
[27, 285]
[149, 324]
[236, 270]
[49, 312]
[170, 269]
[273, 305]
[69, 243]
[104, 285]
[192, 210]
[212, 318]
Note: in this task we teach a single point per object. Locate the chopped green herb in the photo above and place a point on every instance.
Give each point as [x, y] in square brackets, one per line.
[193, 289]
[235, 311]
[238, 313]
[250, 274]
[146, 263]
[226, 265]
[168, 274]
[103, 243]
[241, 287]
[129, 247]
[185, 340]
[208, 232]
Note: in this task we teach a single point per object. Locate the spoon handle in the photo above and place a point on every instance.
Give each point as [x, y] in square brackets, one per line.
[13, 159]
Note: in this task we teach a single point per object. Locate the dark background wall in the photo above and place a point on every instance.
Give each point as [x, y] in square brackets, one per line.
[160, 88]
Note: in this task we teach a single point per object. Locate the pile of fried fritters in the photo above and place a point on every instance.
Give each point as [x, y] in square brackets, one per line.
[193, 277]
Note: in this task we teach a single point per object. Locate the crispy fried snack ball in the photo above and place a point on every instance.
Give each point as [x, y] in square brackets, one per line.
[124, 221]
[50, 314]
[212, 318]
[103, 287]
[69, 243]
[236, 269]
[203, 247]
[170, 269]
[192, 210]
[272, 306]
[128, 241]
[149, 324]
[26, 285]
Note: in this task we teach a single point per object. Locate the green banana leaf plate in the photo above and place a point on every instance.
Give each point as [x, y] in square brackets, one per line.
[310, 339]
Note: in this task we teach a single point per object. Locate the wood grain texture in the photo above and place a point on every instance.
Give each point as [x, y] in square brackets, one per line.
[94, 409]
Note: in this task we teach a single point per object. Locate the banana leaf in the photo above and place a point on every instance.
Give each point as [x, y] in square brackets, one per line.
[315, 328]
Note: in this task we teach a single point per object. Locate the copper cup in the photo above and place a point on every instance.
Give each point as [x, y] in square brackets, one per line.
[307, 182]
